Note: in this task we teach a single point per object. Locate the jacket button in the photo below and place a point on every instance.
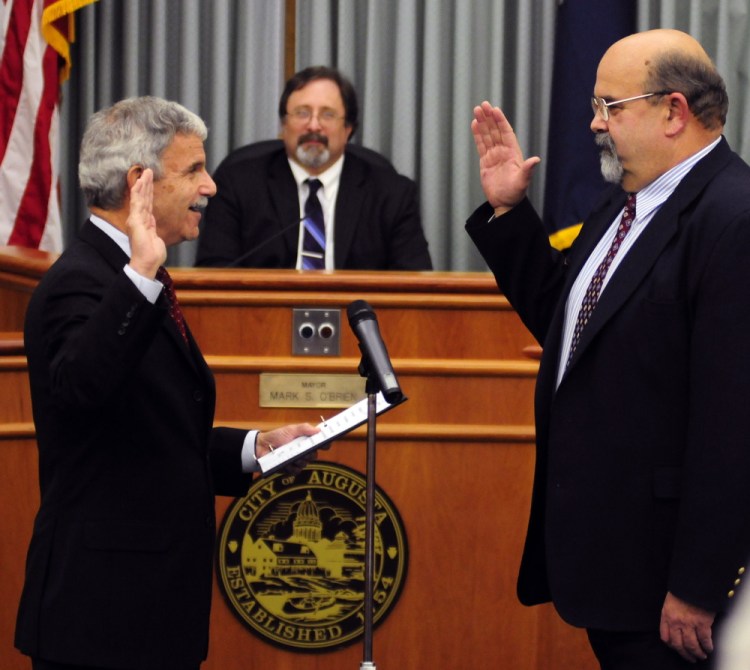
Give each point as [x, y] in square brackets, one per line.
[198, 395]
[730, 594]
[741, 571]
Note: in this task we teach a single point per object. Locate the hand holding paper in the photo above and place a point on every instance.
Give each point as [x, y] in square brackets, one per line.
[330, 429]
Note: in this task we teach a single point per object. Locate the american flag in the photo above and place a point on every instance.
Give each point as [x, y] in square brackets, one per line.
[35, 38]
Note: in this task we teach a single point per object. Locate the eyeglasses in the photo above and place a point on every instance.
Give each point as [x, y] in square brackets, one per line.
[601, 106]
[326, 117]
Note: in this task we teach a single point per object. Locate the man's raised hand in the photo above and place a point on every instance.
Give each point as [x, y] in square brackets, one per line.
[503, 171]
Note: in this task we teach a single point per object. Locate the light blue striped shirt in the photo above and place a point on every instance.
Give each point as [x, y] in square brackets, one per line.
[647, 202]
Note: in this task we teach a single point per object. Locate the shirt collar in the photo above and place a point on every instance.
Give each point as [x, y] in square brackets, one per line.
[656, 193]
[327, 177]
[115, 234]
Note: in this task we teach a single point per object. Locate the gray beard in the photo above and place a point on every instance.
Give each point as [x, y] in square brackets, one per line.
[312, 157]
[610, 164]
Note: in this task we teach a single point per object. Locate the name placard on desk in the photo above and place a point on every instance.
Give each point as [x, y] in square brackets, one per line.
[316, 390]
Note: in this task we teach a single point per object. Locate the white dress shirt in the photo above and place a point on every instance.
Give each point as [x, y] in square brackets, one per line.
[329, 189]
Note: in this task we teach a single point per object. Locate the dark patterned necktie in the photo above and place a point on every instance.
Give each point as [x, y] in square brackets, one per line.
[314, 237]
[595, 286]
[174, 307]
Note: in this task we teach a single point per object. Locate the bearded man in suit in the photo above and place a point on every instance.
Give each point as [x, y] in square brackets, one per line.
[371, 218]
[119, 570]
[640, 515]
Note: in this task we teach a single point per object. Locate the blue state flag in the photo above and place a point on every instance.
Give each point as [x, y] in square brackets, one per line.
[584, 30]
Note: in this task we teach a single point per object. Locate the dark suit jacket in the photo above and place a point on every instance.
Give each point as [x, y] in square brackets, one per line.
[119, 569]
[256, 212]
[643, 455]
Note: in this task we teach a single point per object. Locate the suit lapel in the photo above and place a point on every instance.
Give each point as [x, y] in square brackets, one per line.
[595, 226]
[285, 200]
[189, 350]
[645, 252]
[104, 244]
[349, 202]
[117, 259]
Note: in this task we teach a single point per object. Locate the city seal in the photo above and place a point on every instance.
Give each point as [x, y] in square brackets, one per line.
[291, 554]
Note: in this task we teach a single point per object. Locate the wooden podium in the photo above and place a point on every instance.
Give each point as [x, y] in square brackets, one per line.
[456, 459]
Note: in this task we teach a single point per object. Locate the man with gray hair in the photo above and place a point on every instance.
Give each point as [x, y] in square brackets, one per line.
[119, 570]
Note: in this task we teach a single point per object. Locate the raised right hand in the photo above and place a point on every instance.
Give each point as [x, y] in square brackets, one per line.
[504, 173]
[147, 249]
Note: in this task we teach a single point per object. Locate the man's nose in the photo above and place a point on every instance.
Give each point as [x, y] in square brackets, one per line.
[598, 124]
[314, 122]
[208, 188]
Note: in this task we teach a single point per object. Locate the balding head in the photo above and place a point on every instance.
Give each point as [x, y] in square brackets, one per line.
[645, 47]
[664, 101]
[671, 61]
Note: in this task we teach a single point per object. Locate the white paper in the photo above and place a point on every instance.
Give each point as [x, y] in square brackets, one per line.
[330, 429]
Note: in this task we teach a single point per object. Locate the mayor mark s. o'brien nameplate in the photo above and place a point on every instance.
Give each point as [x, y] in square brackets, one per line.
[330, 429]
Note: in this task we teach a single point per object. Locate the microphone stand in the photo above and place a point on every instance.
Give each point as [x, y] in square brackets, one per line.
[371, 388]
[237, 261]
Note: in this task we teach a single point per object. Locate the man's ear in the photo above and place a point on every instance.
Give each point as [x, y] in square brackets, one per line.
[134, 173]
[678, 113]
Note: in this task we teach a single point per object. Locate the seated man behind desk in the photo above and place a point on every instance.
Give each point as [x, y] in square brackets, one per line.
[370, 212]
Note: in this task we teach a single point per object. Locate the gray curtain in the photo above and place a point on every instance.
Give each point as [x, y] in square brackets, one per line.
[222, 59]
[419, 67]
[723, 27]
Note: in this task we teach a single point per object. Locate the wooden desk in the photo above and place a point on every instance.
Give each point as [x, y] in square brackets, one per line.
[456, 459]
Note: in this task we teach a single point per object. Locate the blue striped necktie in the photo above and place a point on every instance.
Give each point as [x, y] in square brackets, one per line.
[314, 237]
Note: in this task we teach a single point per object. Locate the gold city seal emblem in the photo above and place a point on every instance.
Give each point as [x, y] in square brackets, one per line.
[291, 557]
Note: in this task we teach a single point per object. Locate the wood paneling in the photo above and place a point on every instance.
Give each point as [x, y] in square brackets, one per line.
[19, 500]
[15, 401]
[456, 459]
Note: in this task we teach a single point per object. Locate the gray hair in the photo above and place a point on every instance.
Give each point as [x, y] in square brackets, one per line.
[135, 131]
[697, 80]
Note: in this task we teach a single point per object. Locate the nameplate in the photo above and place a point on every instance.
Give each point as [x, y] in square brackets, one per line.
[316, 390]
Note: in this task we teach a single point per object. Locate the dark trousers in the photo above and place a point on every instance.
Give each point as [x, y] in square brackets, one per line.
[639, 651]
[39, 664]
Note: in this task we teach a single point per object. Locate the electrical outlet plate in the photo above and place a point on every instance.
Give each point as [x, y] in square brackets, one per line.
[316, 332]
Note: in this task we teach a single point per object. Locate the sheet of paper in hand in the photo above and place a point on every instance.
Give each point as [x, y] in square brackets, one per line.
[330, 429]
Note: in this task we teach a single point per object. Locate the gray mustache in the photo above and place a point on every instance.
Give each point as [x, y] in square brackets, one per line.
[605, 141]
[200, 204]
[313, 137]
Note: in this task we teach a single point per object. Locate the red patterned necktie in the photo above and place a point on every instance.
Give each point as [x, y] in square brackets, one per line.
[595, 286]
[314, 236]
[174, 307]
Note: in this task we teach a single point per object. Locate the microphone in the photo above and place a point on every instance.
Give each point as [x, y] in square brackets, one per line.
[364, 323]
[236, 262]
